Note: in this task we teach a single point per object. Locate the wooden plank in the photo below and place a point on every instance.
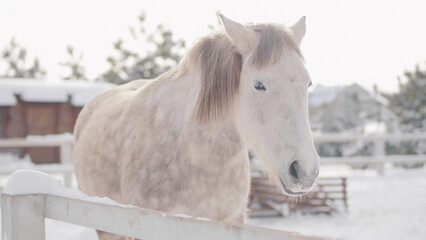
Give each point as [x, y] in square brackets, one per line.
[269, 194]
[23, 217]
[330, 184]
[360, 160]
[147, 224]
[260, 179]
[23, 143]
[66, 152]
[41, 146]
[339, 138]
[332, 178]
[264, 186]
[328, 190]
[266, 201]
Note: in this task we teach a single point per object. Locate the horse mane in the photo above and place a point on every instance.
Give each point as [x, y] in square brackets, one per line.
[219, 65]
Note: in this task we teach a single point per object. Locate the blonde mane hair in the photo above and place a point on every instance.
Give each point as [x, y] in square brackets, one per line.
[219, 65]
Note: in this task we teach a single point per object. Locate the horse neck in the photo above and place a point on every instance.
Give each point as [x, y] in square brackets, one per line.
[216, 140]
[216, 143]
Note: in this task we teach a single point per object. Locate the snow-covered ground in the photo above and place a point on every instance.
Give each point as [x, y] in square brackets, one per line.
[392, 206]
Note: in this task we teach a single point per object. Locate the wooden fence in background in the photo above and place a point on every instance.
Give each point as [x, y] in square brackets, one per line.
[379, 157]
[64, 167]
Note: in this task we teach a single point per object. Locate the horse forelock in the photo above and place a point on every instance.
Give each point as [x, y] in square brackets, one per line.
[273, 40]
[219, 64]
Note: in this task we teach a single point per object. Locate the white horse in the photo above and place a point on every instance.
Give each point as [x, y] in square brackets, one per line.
[179, 143]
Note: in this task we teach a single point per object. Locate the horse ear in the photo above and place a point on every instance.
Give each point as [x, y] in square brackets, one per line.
[242, 37]
[299, 29]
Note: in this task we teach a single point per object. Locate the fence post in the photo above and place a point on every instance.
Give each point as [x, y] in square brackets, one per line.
[65, 159]
[22, 217]
[379, 152]
[66, 152]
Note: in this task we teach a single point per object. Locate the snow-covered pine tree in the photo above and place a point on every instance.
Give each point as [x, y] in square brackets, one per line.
[409, 103]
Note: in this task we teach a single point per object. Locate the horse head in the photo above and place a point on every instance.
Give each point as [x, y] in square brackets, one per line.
[271, 109]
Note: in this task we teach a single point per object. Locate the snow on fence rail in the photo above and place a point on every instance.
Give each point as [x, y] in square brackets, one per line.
[379, 158]
[25, 208]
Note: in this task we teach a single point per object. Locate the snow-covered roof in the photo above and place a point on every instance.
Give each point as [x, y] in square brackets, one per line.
[327, 94]
[323, 94]
[33, 90]
[7, 98]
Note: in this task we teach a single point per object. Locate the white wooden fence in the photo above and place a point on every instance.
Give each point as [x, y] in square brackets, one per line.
[23, 215]
[65, 145]
[65, 166]
[23, 218]
[379, 158]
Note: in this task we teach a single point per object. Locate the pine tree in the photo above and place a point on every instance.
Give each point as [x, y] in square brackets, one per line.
[76, 69]
[409, 104]
[16, 58]
[161, 52]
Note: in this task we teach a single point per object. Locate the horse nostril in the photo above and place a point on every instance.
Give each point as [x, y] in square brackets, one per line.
[294, 168]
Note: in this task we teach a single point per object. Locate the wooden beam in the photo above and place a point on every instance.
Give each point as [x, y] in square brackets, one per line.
[148, 224]
[22, 217]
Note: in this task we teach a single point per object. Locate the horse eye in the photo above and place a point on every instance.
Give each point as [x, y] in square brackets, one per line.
[310, 84]
[259, 86]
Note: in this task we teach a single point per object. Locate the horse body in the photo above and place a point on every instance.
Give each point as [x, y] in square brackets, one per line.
[164, 170]
[179, 143]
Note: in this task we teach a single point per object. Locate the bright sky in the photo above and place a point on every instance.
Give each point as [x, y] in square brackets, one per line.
[363, 41]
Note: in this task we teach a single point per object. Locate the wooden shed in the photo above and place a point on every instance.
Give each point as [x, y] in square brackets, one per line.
[35, 107]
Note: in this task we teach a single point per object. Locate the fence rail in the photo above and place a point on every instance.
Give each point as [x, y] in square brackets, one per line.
[23, 218]
[65, 167]
[381, 137]
[65, 145]
[379, 157]
[23, 215]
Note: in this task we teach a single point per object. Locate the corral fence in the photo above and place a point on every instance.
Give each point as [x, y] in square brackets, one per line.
[23, 217]
[379, 157]
[64, 167]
